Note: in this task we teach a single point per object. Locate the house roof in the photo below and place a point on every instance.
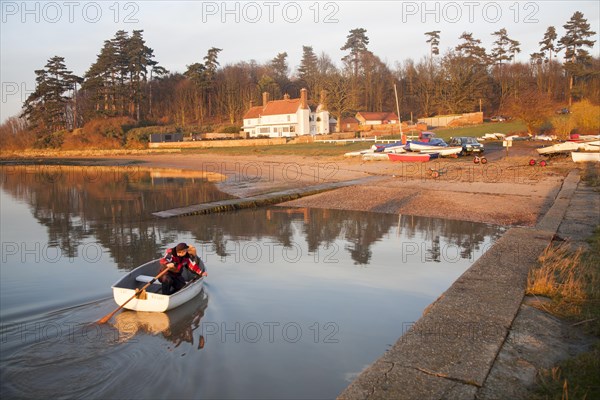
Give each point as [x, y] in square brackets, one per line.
[377, 116]
[349, 120]
[253, 112]
[277, 107]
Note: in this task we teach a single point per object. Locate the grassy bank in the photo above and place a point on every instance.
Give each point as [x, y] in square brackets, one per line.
[507, 128]
[571, 279]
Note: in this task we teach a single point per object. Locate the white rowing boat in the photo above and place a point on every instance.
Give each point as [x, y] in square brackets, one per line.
[564, 147]
[153, 300]
[585, 156]
[444, 151]
[375, 156]
[359, 153]
[567, 147]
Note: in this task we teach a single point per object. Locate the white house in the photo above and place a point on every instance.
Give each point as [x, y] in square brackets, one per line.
[286, 118]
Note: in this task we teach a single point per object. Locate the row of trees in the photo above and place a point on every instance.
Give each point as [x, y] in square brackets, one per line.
[126, 81]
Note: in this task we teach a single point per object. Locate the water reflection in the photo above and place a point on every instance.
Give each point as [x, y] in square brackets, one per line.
[431, 239]
[176, 326]
[111, 204]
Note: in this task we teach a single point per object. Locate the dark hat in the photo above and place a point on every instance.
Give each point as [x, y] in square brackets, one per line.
[181, 247]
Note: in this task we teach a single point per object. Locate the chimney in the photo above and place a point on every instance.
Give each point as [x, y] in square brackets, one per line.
[303, 99]
[323, 100]
[265, 98]
[286, 96]
[251, 103]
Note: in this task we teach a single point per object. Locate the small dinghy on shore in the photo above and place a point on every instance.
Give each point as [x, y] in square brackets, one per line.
[152, 299]
[411, 157]
[585, 156]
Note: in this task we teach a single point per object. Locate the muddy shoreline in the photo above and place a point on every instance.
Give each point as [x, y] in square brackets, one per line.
[505, 191]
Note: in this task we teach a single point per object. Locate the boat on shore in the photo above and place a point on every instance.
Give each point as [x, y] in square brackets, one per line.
[411, 157]
[585, 156]
[444, 151]
[375, 156]
[377, 149]
[388, 148]
[152, 300]
[358, 153]
[570, 146]
[433, 144]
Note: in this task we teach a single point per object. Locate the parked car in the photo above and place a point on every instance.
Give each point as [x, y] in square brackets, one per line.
[498, 118]
[469, 145]
[426, 136]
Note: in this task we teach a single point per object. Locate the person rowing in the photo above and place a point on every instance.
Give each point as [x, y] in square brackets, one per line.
[175, 260]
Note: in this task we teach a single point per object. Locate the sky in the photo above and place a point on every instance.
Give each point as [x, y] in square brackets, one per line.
[181, 32]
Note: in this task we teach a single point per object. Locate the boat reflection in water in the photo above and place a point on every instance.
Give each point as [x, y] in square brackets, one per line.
[176, 326]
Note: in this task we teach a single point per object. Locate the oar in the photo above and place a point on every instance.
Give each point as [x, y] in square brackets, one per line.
[105, 319]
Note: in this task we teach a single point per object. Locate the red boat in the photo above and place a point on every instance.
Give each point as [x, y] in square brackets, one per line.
[409, 157]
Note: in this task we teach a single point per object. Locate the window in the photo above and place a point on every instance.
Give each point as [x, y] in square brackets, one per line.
[288, 118]
[264, 130]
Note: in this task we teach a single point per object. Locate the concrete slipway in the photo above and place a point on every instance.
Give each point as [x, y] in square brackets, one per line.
[449, 352]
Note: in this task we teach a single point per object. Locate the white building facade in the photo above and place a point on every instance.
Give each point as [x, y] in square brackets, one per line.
[286, 118]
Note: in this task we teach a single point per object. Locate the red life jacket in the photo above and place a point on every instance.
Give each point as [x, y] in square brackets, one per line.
[187, 261]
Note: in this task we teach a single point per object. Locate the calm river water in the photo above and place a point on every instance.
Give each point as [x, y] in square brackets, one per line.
[297, 301]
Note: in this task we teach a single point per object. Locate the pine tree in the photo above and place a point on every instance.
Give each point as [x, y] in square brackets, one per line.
[139, 59]
[100, 80]
[308, 71]
[577, 59]
[434, 41]
[308, 65]
[48, 109]
[471, 49]
[116, 82]
[506, 48]
[544, 56]
[548, 43]
[210, 61]
[196, 73]
[356, 43]
[122, 70]
[210, 68]
[279, 68]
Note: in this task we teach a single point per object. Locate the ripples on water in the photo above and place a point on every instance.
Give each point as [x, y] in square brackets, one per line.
[60, 358]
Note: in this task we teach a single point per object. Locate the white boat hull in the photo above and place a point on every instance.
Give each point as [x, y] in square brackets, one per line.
[585, 156]
[444, 151]
[375, 156]
[568, 147]
[395, 149]
[358, 153]
[417, 147]
[124, 288]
